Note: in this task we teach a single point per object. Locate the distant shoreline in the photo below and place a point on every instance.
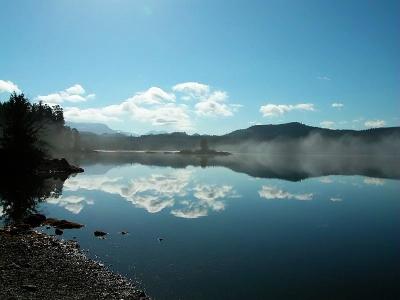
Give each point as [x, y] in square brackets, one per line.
[181, 152]
[135, 151]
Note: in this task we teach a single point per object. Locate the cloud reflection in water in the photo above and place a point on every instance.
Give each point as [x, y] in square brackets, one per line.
[207, 197]
[374, 181]
[74, 204]
[270, 192]
[154, 193]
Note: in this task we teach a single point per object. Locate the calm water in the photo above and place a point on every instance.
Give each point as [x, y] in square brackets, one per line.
[229, 235]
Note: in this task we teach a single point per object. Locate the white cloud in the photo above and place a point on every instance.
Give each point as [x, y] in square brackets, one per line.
[192, 90]
[74, 94]
[8, 87]
[327, 124]
[76, 114]
[374, 123]
[270, 192]
[76, 89]
[272, 110]
[214, 105]
[153, 95]
[160, 115]
[337, 105]
[153, 106]
[209, 103]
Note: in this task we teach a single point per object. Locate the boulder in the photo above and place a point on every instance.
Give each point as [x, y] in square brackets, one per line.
[62, 224]
[34, 220]
[99, 233]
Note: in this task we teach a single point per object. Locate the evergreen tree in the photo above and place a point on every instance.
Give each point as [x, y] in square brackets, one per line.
[20, 134]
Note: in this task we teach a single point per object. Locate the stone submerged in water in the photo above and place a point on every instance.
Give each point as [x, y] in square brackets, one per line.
[58, 166]
[99, 233]
[62, 224]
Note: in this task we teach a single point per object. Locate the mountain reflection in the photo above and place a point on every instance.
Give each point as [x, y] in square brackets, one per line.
[292, 168]
[171, 183]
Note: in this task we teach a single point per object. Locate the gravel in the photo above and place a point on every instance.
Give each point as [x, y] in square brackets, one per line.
[38, 266]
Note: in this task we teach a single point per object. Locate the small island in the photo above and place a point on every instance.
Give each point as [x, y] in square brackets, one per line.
[204, 150]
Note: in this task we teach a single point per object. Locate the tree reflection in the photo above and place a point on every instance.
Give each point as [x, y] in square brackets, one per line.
[26, 171]
[20, 194]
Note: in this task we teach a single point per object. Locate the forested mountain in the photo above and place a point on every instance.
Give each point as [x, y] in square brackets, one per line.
[97, 128]
[287, 138]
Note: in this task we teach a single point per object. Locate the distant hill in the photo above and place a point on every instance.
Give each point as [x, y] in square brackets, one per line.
[97, 128]
[154, 132]
[295, 130]
[282, 138]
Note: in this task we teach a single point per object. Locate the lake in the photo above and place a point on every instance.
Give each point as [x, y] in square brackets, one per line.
[239, 227]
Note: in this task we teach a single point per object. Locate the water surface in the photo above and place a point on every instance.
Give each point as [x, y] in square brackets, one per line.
[208, 232]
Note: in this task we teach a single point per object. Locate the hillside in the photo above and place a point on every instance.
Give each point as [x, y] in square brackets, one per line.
[280, 138]
[97, 128]
[299, 130]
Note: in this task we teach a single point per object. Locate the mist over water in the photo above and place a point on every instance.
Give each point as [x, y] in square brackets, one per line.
[283, 166]
[318, 144]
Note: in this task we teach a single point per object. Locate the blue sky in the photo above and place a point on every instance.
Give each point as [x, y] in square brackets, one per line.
[205, 66]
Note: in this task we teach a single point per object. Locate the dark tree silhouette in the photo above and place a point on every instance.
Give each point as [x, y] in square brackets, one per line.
[23, 128]
[20, 143]
[30, 132]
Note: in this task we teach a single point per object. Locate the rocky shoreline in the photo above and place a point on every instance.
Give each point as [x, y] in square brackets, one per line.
[37, 266]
